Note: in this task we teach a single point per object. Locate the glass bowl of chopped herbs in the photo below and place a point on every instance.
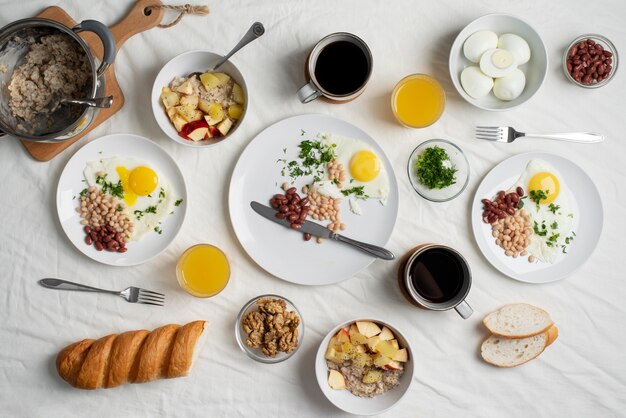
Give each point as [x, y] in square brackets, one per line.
[438, 170]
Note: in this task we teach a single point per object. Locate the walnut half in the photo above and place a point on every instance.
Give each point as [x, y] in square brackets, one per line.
[271, 328]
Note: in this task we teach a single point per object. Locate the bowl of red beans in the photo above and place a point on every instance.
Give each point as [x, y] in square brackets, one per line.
[590, 61]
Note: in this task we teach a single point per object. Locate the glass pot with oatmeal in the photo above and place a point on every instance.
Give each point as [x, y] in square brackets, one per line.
[41, 63]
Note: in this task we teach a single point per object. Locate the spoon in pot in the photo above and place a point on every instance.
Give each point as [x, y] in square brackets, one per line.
[256, 30]
[102, 102]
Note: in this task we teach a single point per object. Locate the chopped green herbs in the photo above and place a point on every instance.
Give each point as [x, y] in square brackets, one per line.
[541, 231]
[312, 158]
[161, 193]
[357, 191]
[553, 208]
[140, 213]
[538, 195]
[84, 192]
[108, 187]
[178, 202]
[554, 225]
[432, 171]
[158, 230]
[552, 240]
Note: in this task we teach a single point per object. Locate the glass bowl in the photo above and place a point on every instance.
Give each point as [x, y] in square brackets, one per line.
[457, 158]
[606, 44]
[256, 353]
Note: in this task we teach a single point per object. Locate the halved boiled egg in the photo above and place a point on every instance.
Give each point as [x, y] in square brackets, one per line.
[475, 82]
[479, 42]
[510, 86]
[516, 45]
[497, 63]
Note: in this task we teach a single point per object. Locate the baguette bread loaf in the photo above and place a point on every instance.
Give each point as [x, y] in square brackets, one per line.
[131, 357]
[518, 320]
[511, 352]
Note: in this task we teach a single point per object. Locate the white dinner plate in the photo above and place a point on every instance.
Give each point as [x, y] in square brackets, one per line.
[585, 205]
[71, 183]
[281, 251]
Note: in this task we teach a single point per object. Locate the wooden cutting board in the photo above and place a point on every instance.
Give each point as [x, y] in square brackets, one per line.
[134, 22]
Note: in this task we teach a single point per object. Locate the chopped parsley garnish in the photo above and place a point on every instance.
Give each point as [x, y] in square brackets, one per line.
[178, 202]
[521, 202]
[538, 195]
[554, 225]
[108, 187]
[542, 232]
[140, 213]
[84, 192]
[158, 230]
[553, 208]
[313, 157]
[432, 172]
[161, 193]
[552, 240]
[357, 191]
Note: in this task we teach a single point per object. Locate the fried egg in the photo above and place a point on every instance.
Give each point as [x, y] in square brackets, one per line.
[363, 167]
[551, 219]
[148, 197]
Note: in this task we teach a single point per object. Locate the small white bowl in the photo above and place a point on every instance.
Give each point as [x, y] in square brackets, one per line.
[344, 399]
[535, 69]
[180, 66]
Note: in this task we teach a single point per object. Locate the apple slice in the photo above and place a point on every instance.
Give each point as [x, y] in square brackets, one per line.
[224, 126]
[336, 380]
[235, 111]
[343, 336]
[368, 328]
[373, 342]
[171, 112]
[185, 88]
[357, 338]
[178, 122]
[170, 99]
[402, 355]
[330, 353]
[223, 78]
[393, 365]
[353, 329]
[214, 111]
[238, 95]
[385, 348]
[209, 81]
[187, 112]
[372, 376]
[166, 89]
[394, 343]
[195, 131]
[189, 101]
[213, 131]
[386, 334]
[361, 349]
[381, 361]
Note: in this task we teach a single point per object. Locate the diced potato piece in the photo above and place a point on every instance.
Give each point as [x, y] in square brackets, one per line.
[235, 111]
[209, 81]
[223, 78]
[170, 99]
[372, 376]
[238, 95]
[187, 112]
[385, 348]
[178, 122]
[381, 361]
[224, 126]
[185, 88]
[189, 100]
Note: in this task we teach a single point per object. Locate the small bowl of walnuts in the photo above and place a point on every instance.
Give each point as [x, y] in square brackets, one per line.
[269, 329]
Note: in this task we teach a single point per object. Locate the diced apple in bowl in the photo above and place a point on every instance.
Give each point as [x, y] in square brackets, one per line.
[368, 328]
[185, 88]
[336, 380]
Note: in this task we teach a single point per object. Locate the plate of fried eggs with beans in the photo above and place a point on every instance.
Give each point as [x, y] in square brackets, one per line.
[121, 199]
[537, 217]
[332, 173]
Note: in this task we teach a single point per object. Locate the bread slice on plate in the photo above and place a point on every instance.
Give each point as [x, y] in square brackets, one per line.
[511, 352]
[518, 320]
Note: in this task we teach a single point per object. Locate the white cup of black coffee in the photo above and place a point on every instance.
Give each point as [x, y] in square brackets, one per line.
[338, 69]
[438, 277]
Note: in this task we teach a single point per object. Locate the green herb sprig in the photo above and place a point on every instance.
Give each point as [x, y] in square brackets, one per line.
[431, 171]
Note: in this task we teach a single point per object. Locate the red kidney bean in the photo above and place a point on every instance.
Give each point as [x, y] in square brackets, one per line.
[292, 217]
[585, 62]
[99, 246]
[307, 236]
[283, 208]
[291, 190]
[122, 250]
[295, 226]
[280, 215]
[88, 240]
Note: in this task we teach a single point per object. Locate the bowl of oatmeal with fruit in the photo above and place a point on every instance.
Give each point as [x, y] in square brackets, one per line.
[364, 366]
[197, 107]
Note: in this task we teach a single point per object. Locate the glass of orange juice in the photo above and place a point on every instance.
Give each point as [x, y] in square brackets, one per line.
[203, 270]
[418, 101]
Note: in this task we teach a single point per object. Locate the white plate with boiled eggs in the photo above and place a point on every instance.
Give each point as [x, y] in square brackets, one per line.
[154, 195]
[259, 175]
[567, 223]
[498, 62]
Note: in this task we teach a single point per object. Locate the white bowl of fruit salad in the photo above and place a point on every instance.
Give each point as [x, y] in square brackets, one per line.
[197, 107]
[364, 366]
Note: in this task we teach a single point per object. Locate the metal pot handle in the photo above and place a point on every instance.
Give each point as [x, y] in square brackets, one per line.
[105, 35]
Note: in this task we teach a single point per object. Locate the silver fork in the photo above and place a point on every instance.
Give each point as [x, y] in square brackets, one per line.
[131, 294]
[508, 134]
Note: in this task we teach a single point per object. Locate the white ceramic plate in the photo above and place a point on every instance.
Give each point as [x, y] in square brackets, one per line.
[344, 399]
[535, 70]
[71, 183]
[585, 204]
[281, 251]
[180, 66]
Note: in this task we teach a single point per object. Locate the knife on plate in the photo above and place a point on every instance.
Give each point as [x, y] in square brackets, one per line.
[320, 231]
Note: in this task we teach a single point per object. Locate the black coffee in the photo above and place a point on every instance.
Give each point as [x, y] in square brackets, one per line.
[341, 68]
[437, 274]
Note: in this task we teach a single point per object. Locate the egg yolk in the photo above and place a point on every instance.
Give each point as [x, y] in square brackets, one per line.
[141, 181]
[364, 166]
[548, 183]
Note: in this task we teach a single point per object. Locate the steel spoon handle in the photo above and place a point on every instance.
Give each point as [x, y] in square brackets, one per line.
[101, 102]
[374, 250]
[59, 284]
[582, 137]
[256, 30]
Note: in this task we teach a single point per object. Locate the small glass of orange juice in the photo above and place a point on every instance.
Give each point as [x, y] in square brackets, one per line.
[418, 101]
[203, 270]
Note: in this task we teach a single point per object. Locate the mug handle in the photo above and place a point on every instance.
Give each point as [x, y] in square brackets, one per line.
[105, 35]
[308, 92]
[464, 310]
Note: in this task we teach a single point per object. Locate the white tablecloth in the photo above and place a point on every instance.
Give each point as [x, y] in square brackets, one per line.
[583, 374]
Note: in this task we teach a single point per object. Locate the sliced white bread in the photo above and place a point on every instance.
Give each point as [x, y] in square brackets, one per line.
[511, 352]
[518, 320]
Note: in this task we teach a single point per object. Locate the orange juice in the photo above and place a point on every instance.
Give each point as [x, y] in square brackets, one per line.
[203, 270]
[418, 101]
